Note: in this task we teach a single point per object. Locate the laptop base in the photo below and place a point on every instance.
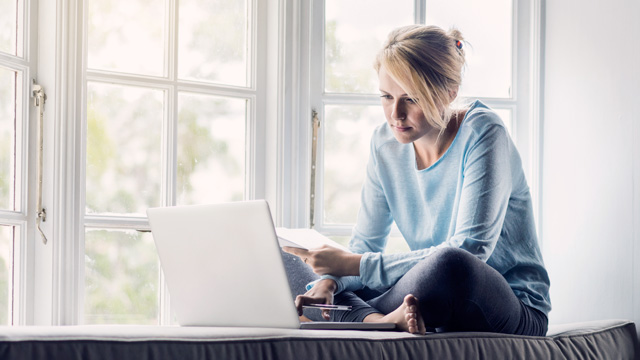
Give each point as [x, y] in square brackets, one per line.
[334, 325]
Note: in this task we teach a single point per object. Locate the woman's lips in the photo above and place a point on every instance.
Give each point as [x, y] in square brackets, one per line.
[402, 128]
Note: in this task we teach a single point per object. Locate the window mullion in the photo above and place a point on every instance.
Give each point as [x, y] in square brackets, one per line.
[21, 192]
[20, 279]
[351, 99]
[255, 140]
[13, 62]
[535, 127]
[171, 107]
[77, 49]
[116, 222]
[169, 140]
[316, 82]
[171, 45]
[169, 146]
[420, 11]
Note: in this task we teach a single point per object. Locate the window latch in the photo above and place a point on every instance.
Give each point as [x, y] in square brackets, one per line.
[39, 99]
[314, 149]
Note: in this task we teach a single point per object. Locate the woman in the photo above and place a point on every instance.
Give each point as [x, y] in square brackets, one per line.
[452, 180]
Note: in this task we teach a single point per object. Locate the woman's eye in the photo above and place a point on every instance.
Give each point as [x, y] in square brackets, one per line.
[411, 101]
[386, 97]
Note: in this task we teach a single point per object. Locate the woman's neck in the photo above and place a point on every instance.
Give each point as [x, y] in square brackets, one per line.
[433, 145]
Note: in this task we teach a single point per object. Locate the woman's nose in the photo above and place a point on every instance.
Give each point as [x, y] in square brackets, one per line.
[398, 112]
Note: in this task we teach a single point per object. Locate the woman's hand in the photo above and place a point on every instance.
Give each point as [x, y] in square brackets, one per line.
[321, 293]
[327, 260]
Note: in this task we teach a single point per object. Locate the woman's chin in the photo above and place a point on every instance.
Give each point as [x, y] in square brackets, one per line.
[403, 139]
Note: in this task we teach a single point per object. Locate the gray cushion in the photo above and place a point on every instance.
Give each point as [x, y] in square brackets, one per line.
[611, 339]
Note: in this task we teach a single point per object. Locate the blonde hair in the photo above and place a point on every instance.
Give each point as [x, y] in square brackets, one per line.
[427, 62]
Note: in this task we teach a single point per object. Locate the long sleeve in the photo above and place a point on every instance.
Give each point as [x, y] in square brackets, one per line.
[475, 197]
[480, 207]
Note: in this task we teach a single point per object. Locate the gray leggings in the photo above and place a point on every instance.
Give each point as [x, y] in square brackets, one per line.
[456, 292]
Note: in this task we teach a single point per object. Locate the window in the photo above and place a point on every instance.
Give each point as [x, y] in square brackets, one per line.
[169, 104]
[16, 67]
[178, 102]
[343, 86]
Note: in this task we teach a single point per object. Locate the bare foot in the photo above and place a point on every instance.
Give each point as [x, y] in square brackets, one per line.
[406, 316]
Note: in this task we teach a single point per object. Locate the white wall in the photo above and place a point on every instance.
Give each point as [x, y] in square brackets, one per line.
[591, 159]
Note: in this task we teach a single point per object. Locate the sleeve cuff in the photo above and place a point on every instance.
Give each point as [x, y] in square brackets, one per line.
[339, 284]
[311, 284]
[345, 283]
[367, 265]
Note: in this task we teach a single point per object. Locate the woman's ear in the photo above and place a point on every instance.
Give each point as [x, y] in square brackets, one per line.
[453, 94]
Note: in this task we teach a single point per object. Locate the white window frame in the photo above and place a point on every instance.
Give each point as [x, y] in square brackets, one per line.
[58, 280]
[24, 218]
[51, 275]
[171, 86]
[524, 102]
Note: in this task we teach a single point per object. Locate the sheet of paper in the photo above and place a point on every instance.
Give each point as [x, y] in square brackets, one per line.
[304, 239]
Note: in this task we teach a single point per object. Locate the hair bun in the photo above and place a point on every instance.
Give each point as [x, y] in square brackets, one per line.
[455, 34]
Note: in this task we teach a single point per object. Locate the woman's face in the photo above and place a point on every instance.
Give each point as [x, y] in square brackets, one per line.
[406, 119]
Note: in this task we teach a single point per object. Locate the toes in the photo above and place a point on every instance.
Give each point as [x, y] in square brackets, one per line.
[410, 300]
[412, 326]
[414, 323]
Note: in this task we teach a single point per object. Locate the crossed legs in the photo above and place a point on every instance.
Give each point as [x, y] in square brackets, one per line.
[451, 290]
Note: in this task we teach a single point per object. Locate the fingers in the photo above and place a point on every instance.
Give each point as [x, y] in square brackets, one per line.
[306, 256]
[294, 250]
[299, 304]
[301, 253]
[302, 300]
[315, 297]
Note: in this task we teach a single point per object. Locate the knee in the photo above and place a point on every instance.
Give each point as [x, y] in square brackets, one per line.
[454, 264]
[450, 256]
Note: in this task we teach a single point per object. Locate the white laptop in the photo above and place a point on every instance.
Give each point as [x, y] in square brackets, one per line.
[223, 267]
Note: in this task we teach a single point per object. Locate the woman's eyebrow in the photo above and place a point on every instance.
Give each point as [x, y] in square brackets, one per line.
[405, 94]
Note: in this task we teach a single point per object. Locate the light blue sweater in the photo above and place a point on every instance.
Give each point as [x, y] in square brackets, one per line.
[475, 197]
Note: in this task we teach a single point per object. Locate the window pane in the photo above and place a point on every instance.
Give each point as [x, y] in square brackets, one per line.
[213, 41]
[7, 137]
[505, 115]
[124, 134]
[7, 234]
[486, 26]
[10, 26]
[211, 149]
[354, 33]
[127, 36]
[122, 277]
[348, 130]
